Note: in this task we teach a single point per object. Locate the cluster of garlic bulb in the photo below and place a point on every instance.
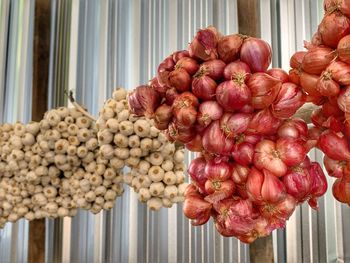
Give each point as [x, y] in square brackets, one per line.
[16, 162]
[157, 166]
[85, 177]
[159, 178]
[66, 161]
[54, 167]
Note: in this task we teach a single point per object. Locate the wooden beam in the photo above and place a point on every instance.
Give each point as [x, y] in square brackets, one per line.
[41, 58]
[261, 250]
[36, 240]
[249, 17]
[249, 24]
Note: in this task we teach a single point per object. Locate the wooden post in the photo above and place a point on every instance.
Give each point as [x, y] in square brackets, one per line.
[249, 24]
[249, 17]
[41, 56]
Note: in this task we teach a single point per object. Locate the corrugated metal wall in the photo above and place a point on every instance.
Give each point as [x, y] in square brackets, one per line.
[98, 45]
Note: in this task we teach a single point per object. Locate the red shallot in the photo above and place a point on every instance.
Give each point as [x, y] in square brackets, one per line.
[291, 151]
[256, 53]
[197, 209]
[333, 28]
[212, 68]
[293, 128]
[215, 141]
[264, 89]
[319, 184]
[238, 71]
[289, 99]
[188, 64]
[340, 72]
[232, 95]
[204, 87]
[143, 101]
[343, 49]
[297, 59]
[204, 44]
[229, 47]
[309, 83]
[164, 70]
[326, 86]
[334, 168]
[234, 124]
[341, 190]
[279, 74]
[298, 181]
[176, 56]
[239, 173]
[163, 116]
[263, 123]
[335, 146]
[317, 59]
[243, 153]
[218, 190]
[196, 170]
[209, 111]
[180, 79]
[218, 170]
[267, 157]
[340, 5]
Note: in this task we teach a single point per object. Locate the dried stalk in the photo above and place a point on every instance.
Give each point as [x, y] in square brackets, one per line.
[79, 107]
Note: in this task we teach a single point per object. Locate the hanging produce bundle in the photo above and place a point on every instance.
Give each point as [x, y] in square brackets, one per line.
[219, 99]
[49, 169]
[157, 165]
[52, 167]
[323, 71]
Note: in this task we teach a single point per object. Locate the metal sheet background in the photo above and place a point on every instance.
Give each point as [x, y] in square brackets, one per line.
[99, 45]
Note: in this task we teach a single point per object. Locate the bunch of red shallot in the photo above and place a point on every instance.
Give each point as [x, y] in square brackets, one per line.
[219, 99]
[323, 71]
[219, 88]
[257, 186]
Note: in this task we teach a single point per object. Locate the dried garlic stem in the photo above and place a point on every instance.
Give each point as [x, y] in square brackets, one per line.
[79, 107]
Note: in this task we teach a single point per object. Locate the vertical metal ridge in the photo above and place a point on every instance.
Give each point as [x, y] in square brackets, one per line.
[4, 32]
[52, 65]
[345, 234]
[58, 82]
[173, 222]
[73, 47]
[339, 226]
[16, 51]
